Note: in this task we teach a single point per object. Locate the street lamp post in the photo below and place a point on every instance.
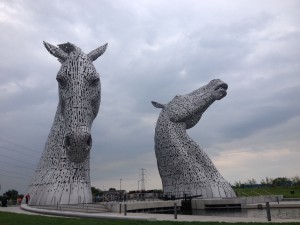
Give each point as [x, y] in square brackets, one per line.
[120, 189]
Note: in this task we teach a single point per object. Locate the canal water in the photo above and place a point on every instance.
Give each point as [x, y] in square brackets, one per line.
[282, 213]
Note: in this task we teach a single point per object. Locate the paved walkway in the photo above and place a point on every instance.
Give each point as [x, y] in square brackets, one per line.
[137, 216]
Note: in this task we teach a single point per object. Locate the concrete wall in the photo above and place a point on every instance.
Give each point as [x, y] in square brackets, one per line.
[243, 202]
[115, 206]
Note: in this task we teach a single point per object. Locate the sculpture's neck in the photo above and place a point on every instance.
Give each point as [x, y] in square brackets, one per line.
[171, 131]
[57, 178]
[55, 151]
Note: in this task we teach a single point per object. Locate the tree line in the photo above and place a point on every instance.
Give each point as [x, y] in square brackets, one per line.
[269, 182]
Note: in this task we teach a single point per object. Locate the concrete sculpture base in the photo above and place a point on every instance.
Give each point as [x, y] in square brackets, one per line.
[63, 173]
[183, 166]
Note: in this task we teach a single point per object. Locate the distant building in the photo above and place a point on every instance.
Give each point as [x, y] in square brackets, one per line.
[144, 195]
[114, 195]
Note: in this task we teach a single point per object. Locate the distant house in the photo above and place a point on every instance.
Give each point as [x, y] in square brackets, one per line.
[113, 195]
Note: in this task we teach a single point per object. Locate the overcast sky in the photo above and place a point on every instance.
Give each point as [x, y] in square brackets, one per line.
[156, 50]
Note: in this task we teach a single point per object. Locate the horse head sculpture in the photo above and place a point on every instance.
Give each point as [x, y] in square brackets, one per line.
[79, 96]
[63, 172]
[183, 166]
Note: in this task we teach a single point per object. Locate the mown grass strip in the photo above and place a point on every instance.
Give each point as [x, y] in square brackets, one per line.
[287, 192]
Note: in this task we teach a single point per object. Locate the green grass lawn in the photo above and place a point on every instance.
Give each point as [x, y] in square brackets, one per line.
[285, 191]
[23, 219]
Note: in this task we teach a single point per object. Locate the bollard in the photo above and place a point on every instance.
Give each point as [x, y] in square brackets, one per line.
[175, 210]
[120, 208]
[268, 211]
[125, 209]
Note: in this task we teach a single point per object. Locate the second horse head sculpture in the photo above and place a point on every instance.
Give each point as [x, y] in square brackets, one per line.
[183, 166]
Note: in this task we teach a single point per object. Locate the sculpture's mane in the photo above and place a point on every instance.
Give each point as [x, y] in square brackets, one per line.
[67, 47]
[70, 48]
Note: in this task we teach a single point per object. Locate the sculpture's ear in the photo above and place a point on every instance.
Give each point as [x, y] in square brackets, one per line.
[93, 55]
[57, 52]
[157, 105]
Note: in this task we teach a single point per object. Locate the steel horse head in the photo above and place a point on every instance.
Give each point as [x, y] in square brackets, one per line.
[79, 96]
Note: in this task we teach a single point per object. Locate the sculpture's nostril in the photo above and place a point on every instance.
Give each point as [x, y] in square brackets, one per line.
[89, 141]
[67, 141]
[71, 140]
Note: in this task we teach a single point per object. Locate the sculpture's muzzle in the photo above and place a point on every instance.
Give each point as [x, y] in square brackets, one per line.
[78, 146]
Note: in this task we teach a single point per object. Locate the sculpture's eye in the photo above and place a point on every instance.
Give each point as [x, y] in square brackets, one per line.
[94, 82]
[61, 81]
